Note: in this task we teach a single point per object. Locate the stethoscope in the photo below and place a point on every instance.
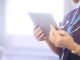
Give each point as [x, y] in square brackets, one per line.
[70, 27]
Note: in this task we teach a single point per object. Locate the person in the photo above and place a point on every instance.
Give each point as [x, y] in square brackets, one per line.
[64, 41]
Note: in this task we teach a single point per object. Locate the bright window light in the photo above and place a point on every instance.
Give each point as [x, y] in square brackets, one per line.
[17, 20]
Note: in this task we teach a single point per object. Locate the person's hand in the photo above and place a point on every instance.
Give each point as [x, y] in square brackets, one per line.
[60, 38]
[39, 34]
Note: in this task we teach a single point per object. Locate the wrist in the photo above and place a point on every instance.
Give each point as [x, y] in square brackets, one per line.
[73, 46]
[77, 50]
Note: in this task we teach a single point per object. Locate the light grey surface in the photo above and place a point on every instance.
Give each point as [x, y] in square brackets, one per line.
[44, 20]
[29, 54]
[28, 48]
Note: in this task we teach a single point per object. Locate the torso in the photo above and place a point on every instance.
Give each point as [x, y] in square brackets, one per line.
[76, 35]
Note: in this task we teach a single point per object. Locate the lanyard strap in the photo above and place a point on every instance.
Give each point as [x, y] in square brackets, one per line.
[74, 17]
[71, 27]
[72, 21]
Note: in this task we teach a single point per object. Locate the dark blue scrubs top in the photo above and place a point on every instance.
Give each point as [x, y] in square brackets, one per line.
[76, 35]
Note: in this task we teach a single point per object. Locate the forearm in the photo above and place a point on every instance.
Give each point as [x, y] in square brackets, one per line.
[75, 48]
[52, 46]
[78, 50]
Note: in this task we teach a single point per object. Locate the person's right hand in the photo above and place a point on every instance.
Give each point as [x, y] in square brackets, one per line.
[39, 34]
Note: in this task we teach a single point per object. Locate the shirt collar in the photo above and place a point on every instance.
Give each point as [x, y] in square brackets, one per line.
[75, 6]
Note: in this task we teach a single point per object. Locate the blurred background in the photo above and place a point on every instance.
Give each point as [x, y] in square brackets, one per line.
[16, 28]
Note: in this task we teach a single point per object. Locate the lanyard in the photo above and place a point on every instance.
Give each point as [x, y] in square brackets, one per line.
[78, 19]
[69, 26]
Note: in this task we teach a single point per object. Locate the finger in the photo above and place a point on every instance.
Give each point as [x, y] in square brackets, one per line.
[41, 37]
[37, 34]
[37, 30]
[54, 31]
[52, 37]
[46, 37]
[56, 28]
[63, 33]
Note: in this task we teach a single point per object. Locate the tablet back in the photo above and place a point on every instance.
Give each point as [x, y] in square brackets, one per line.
[44, 20]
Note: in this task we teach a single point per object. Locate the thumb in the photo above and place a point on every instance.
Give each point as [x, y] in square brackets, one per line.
[62, 33]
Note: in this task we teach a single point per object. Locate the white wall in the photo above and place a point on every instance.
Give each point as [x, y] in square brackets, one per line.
[22, 47]
[1, 22]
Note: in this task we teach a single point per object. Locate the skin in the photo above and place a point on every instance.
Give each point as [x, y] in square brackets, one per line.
[40, 36]
[62, 39]
[57, 38]
[76, 1]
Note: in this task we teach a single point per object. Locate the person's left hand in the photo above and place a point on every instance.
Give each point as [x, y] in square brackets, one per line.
[60, 38]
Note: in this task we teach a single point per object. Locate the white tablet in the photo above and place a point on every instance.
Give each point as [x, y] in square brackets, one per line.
[44, 20]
